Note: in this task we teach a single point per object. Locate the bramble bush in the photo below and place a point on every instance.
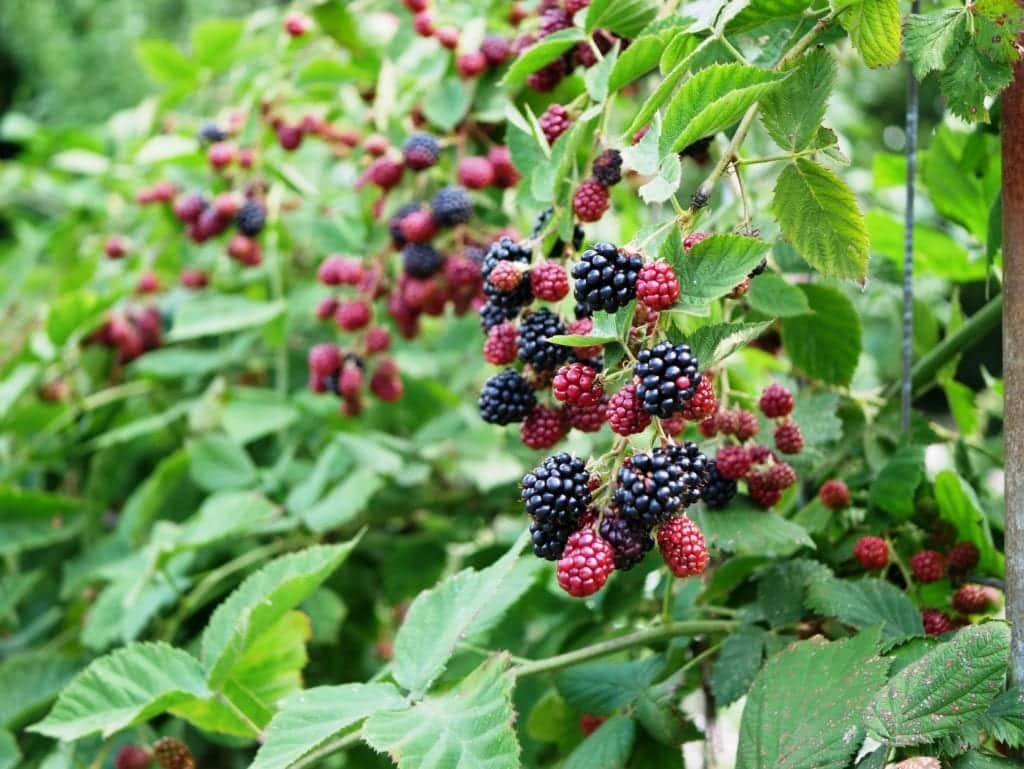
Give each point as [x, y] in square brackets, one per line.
[306, 351]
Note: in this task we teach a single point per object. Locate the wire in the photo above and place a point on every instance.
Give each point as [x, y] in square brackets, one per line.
[906, 385]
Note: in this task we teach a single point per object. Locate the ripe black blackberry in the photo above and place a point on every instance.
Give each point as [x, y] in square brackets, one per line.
[421, 260]
[506, 250]
[532, 341]
[629, 543]
[668, 376]
[506, 398]
[650, 488]
[421, 151]
[694, 465]
[250, 218]
[607, 168]
[395, 223]
[210, 133]
[492, 315]
[717, 491]
[541, 221]
[556, 495]
[451, 206]
[606, 277]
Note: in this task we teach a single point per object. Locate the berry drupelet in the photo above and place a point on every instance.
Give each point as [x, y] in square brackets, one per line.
[667, 376]
[606, 277]
[506, 398]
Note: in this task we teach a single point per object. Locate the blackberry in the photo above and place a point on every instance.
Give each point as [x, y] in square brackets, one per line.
[871, 552]
[533, 344]
[506, 398]
[505, 250]
[936, 622]
[928, 566]
[668, 377]
[761, 267]
[718, 491]
[541, 221]
[585, 564]
[590, 201]
[651, 487]
[250, 218]
[421, 151]
[698, 150]
[605, 278]
[492, 315]
[607, 168]
[452, 206]
[630, 543]
[210, 133]
[834, 494]
[421, 260]
[556, 495]
[683, 547]
[554, 122]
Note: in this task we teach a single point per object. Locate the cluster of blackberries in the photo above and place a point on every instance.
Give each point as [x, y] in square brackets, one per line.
[331, 370]
[206, 219]
[605, 278]
[131, 332]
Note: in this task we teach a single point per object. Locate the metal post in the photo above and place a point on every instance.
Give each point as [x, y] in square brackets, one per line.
[906, 389]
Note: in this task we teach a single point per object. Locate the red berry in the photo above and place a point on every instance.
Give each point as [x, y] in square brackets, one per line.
[548, 77]
[834, 494]
[416, 5]
[352, 316]
[928, 566]
[657, 286]
[385, 172]
[350, 381]
[327, 307]
[505, 173]
[471, 64]
[496, 49]
[871, 552]
[132, 757]
[475, 173]
[172, 753]
[708, 427]
[240, 247]
[776, 401]
[936, 622]
[554, 122]
[590, 723]
[578, 384]
[788, 438]
[378, 339]
[193, 278]
[971, 599]
[289, 136]
[418, 227]
[588, 419]
[385, 382]
[448, 37]
[590, 201]
[549, 282]
[746, 426]
[761, 492]
[682, 546]
[673, 425]
[148, 283]
[733, 462]
[727, 422]
[376, 145]
[693, 239]
[703, 403]
[246, 157]
[626, 414]
[583, 327]
[963, 556]
[115, 247]
[500, 347]
[543, 427]
[780, 477]
[585, 564]
[507, 275]
[297, 24]
[324, 359]
[188, 207]
[227, 204]
[424, 24]
[220, 155]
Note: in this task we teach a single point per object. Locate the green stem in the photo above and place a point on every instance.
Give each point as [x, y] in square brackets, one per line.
[490, 652]
[732, 50]
[777, 158]
[666, 603]
[329, 747]
[640, 638]
[256, 731]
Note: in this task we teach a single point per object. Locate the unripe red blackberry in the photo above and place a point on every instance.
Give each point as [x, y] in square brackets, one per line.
[693, 239]
[352, 316]
[549, 282]
[834, 494]
[936, 622]
[733, 462]
[500, 346]
[780, 476]
[746, 426]
[421, 151]
[590, 201]
[506, 275]
[554, 19]
[971, 599]
[297, 24]
[496, 49]
[227, 204]
[378, 339]
[350, 381]
[448, 37]
[548, 77]
[590, 723]
[588, 419]
[148, 283]
[585, 564]
[761, 493]
[115, 247]
[324, 359]
[657, 286]
[871, 552]
[708, 427]
[423, 23]
[289, 136]
[172, 753]
[776, 401]
[963, 556]
[554, 122]
[543, 427]
[245, 250]
[578, 384]
[928, 566]
[385, 172]
[626, 414]
[188, 207]
[788, 438]
[683, 547]
[418, 226]
[385, 382]
[727, 421]
[246, 157]
[194, 278]
[471, 65]
[376, 145]
[132, 757]
[703, 403]
[475, 173]
[220, 155]
[505, 173]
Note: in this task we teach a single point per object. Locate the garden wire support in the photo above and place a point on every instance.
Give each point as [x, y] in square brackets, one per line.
[1013, 359]
[906, 389]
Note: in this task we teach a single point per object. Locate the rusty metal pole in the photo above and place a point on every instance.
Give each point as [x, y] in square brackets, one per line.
[1013, 359]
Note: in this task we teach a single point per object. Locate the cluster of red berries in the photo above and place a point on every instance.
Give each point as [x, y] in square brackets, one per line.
[131, 332]
[166, 752]
[470, 63]
[766, 475]
[332, 370]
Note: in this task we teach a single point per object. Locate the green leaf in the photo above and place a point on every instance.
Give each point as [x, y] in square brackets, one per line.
[874, 29]
[17, 384]
[165, 64]
[717, 341]
[126, 687]
[212, 314]
[972, 759]
[164, 147]
[596, 78]
[665, 182]
[1004, 719]
[792, 112]
[443, 616]
[217, 463]
[643, 156]
[541, 54]
[992, 20]
[743, 529]
[825, 345]
[10, 753]
[950, 153]
[324, 71]
[214, 42]
[606, 687]
[715, 266]
[254, 413]
[448, 102]
[971, 78]
[935, 252]
[469, 726]
[261, 600]
[642, 56]
[607, 748]
[310, 718]
[711, 101]
[344, 502]
[773, 295]
[948, 686]
[934, 39]
[221, 516]
[34, 519]
[818, 213]
[29, 682]
[959, 505]
[625, 18]
[893, 489]
[179, 363]
[737, 665]
[797, 717]
[866, 603]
